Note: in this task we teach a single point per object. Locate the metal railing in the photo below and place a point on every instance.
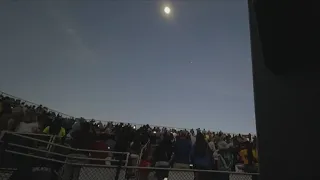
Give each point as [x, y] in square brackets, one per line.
[147, 173]
[31, 136]
[50, 144]
[142, 151]
[46, 161]
[102, 172]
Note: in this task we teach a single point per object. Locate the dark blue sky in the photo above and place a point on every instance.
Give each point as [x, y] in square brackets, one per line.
[124, 60]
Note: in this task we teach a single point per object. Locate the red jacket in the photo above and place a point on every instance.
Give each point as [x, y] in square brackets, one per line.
[100, 146]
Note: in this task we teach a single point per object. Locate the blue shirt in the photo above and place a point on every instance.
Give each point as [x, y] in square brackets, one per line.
[182, 151]
[202, 161]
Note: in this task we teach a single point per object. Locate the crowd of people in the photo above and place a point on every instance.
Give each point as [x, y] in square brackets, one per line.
[147, 145]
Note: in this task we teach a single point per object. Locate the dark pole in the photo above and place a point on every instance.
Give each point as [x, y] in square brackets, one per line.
[286, 87]
[119, 168]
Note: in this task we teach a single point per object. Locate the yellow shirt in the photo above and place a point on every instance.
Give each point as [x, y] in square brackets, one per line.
[244, 155]
[206, 137]
[62, 132]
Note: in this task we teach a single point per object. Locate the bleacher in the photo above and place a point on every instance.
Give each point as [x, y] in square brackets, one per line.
[31, 153]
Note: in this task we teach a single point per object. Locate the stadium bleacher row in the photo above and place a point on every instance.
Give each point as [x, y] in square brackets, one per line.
[76, 148]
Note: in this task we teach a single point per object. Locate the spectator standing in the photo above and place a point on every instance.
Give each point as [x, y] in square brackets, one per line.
[201, 157]
[80, 140]
[27, 125]
[5, 113]
[249, 157]
[135, 148]
[182, 150]
[145, 162]
[76, 126]
[212, 144]
[192, 137]
[99, 145]
[24, 163]
[162, 157]
[222, 144]
[122, 145]
[56, 128]
[15, 120]
[110, 141]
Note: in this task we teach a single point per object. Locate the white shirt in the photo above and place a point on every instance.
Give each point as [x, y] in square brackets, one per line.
[193, 139]
[223, 145]
[75, 127]
[212, 146]
[27, 127]
[174, 135]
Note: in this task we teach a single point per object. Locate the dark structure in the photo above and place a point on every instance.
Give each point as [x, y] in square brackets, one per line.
[286, 87]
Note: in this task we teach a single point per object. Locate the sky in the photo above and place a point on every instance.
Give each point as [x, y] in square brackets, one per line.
[123, 60]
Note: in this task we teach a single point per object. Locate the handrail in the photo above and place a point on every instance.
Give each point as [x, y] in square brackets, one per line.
[141, 152]
[32, 134]
[52, 137]
[58, 154]
[70, 148]
[224, 162]
[131, 167]
[51, 144]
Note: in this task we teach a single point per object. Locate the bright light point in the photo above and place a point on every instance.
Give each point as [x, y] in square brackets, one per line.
[167, 10]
